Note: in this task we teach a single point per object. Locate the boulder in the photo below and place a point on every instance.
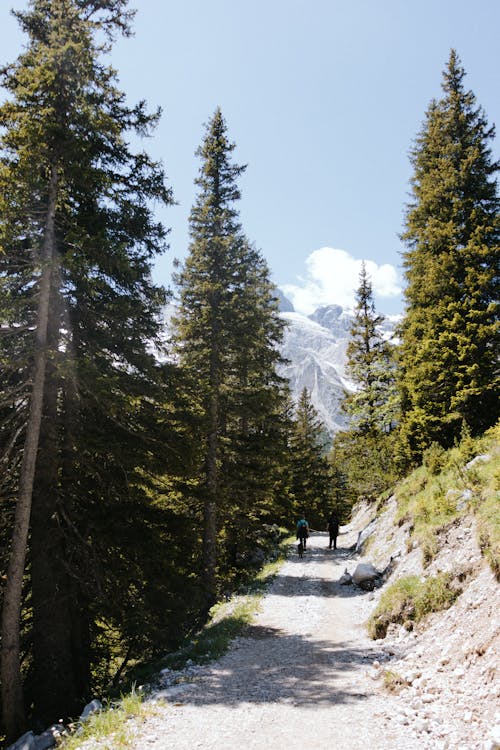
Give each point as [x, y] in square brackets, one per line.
[91, 708]
[31, 741]
[366, 576]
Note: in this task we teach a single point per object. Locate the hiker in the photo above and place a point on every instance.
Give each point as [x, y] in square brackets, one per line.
[333, 529]
[302, 530]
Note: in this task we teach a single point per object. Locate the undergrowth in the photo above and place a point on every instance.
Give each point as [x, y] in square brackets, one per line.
[443, 489]
[409, 600]
[111, 723]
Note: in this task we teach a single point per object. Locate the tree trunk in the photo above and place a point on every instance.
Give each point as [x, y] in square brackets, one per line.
[212, 473]
[80, 617]
[54, 686]
[210, 510]
[12, 692]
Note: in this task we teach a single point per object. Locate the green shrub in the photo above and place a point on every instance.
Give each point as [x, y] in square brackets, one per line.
[434, 458]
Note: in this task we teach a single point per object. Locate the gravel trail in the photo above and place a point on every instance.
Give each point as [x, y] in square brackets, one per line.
[297, 677]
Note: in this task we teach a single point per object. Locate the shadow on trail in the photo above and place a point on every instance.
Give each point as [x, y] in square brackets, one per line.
[268, 665]
[292, 586]
[303, 584]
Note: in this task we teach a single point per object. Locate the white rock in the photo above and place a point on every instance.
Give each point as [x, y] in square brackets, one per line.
[483, 457]
[365, 572]
[495, 737]
[421, 725]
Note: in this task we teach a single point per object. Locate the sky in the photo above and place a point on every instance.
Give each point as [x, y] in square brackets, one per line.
[323, 99]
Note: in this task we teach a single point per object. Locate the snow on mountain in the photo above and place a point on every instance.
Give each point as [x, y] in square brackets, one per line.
[315, 348]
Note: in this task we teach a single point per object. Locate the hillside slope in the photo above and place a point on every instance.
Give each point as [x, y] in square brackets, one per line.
[443, 670]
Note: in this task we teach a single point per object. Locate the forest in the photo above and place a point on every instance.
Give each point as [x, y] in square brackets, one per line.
[135, 487]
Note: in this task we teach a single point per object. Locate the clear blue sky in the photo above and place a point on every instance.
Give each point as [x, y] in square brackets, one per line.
[323, 99]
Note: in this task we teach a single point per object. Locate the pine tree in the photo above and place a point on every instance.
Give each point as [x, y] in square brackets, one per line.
[227, 332]
[311, 482]
[370, 365]
[364, 455]
[449, 349]
[255, 395]
[78, 238]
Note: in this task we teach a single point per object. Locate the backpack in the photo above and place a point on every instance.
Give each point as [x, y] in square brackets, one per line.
[302, 527]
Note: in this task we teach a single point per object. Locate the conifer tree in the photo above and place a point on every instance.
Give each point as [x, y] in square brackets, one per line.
[77, 308]
[370, 365]
[311, 481]
[449, 354]
[227, 332]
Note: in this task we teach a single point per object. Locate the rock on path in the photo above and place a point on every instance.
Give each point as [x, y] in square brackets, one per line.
[300, 676]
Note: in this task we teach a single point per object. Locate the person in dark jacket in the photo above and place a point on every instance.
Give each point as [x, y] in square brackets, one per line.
[303, 531]
[333, 529]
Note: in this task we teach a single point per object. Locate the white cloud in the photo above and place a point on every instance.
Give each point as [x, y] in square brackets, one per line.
[332, 277]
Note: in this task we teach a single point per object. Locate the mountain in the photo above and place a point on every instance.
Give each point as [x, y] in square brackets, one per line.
[315, 347]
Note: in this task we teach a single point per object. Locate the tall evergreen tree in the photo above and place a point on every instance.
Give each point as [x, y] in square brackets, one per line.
[449, 355]
[311, 480]
[227, 334]
[370, 364]
[78, 238]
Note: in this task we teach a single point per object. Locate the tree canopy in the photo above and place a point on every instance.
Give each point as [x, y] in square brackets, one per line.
[449, 354]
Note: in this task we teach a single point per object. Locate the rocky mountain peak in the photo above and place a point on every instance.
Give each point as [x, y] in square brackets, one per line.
[334, 318]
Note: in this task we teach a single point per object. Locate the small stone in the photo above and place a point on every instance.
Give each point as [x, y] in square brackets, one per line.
[468, 716]
[494, 737]
[421, 725]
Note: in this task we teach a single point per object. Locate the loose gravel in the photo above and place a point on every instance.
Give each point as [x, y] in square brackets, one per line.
[300, 675]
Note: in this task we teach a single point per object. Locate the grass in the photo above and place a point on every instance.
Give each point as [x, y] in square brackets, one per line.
[410, 600]
[110, 724]
[431, 497]
[423, 500]
[486, 504]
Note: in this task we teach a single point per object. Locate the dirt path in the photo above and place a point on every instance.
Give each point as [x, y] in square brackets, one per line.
[299, 676]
